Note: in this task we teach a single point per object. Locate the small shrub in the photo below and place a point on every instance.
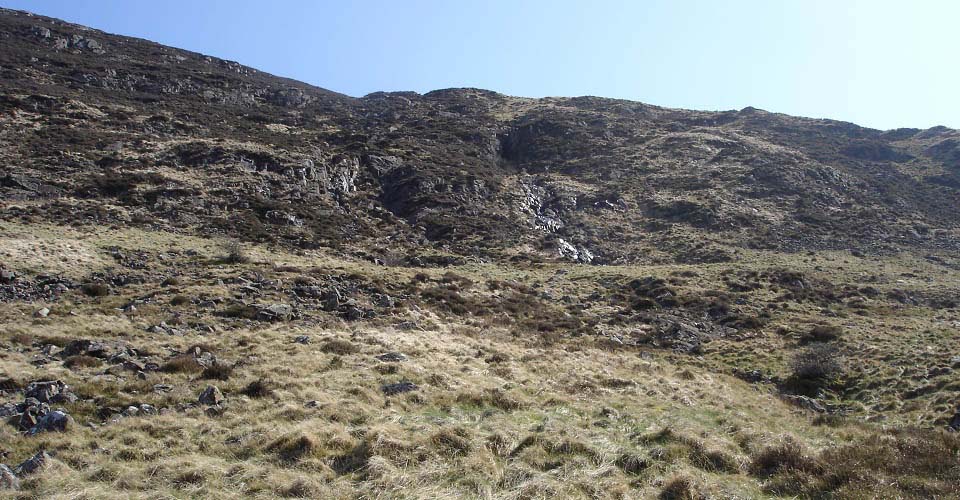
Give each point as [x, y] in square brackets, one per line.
[259, 388]
[822, 333]
[785, 456]
[421, 278]
[179, 300]
[184, 363]
[678, 488]
[189, 479]
[217, 371]
[712, 460]
[9, 384]
[452, 442]
[461, 281]
[171, 281]
[300, 489]
[340, 347]
[96, 289]
[235, 253]
[240, 311]
[817, 363]
[632, 463]
[22, 339]
[294, 448]
[81, 361]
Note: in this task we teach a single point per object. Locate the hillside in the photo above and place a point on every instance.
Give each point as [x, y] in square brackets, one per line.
[227, 281]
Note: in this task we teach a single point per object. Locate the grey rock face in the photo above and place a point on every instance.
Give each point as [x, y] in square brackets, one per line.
[339, 176]
[575, 253]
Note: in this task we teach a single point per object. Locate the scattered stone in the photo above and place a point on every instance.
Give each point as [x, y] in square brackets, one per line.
[98, 349]
[676, 334]
[7, 276]
[331, 299]
[805, 403]
[955, 422]
[32, 464]
[398, 388]
[392, 357]
[353, 313]
[50, 350]
[42, 313]
[46, 392]
[214, 411]
[383, 300]
[162, 388]
[146, 409]
[302, 339]
[607, 412]
[9, 410]
[8, 480]
[211, 396]
[308, 291]
[751, 376]
[311, 404]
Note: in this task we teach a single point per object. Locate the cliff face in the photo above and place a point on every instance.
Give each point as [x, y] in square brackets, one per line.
[114, 130]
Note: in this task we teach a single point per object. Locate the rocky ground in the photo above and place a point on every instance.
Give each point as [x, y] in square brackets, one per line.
[215, 282]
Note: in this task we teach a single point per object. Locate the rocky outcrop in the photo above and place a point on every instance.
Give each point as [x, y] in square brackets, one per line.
[207, 145]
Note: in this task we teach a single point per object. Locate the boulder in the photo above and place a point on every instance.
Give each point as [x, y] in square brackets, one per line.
[32, 464]
[276, 312]
[42, 313]
[55, 421]
[211, 396]
[392, 357]
[302, 339]
[126, 366]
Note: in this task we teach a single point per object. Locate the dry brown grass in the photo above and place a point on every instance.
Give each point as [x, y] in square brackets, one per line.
[499, 413]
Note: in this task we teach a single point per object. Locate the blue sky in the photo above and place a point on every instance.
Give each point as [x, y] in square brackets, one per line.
[878, 63]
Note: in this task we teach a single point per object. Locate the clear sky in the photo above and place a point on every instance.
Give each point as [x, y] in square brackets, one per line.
[878, 63]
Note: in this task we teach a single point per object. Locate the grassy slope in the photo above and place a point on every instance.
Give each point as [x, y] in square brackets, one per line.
[501, 411]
